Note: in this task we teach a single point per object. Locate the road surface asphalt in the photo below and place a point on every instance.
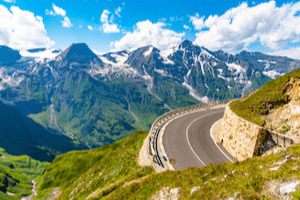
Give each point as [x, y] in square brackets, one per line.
[187, 140]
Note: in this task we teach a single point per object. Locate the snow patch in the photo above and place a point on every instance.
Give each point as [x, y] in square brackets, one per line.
[121, 59]
[146, 76]
[220, 71]
[194, 94]
[272, 74]
[148, 52]
[234, 67]
[222, 77]
[189, 73]
[161, 72]
[111, 67]
[164, 55]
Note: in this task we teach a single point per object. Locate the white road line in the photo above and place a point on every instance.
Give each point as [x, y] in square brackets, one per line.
[216, 143]
[187, 135]
[182, 115]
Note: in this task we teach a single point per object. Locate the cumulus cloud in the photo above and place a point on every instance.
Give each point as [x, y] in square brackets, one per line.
[21, 29]
[238, 27]
[148, 33]
[56, 11]
[90, 27]
[186, 26]
[66, 23]
[104, 16]
[293, 52]
[108, 26]
[197, 21]
[60, 12]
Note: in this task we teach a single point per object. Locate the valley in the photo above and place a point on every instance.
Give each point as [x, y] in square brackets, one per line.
[92, 97]
[77, 100]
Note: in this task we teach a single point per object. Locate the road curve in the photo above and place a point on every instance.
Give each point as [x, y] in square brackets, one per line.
[187, 140]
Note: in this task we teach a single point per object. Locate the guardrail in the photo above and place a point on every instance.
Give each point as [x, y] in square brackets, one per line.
[280, 139]
[162, 120]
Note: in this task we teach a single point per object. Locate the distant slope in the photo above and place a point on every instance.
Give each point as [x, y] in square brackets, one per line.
[112, 172]
[16, 173]
[21, 135]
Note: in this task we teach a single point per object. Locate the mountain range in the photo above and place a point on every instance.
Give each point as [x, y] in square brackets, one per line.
[98, 99]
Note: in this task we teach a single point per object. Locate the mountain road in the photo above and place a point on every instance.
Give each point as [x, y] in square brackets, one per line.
[188, 143]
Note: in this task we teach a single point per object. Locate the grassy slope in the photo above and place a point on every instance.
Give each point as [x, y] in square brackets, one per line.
[96, 175]
[18, 180]
[70, 169]
[272, 93]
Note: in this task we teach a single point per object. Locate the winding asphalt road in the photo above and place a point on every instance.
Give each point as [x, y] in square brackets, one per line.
[187, 140]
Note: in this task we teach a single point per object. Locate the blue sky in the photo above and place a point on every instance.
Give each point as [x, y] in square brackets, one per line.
[268, 26]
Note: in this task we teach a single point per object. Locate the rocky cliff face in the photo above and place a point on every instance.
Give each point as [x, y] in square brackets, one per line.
[286, 119]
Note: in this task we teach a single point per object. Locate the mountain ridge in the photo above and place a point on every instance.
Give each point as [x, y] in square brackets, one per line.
[100, 99]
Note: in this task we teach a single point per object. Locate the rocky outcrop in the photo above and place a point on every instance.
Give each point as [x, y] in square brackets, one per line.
[243, 139]
[286, 119]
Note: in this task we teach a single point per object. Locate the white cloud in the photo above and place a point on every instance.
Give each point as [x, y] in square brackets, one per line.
[104, 16]
[10, 1]
[80, 26]
[108, 26]
[197, 21]
[90, 27]
[117, 12]
[60, 12]
[186, 26]
[148, 33]
[21, 29]
[238, 27]
[293, 52]
[50, 12]
[66, 23]
[56, 11]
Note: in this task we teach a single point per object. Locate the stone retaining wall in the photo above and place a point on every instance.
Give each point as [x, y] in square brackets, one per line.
[243, 139]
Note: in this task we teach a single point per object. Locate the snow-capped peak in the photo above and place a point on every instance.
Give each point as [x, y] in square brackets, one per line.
[149, 51]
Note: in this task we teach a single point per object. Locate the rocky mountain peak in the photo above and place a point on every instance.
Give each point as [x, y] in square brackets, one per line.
[79, 53]
[186, 44]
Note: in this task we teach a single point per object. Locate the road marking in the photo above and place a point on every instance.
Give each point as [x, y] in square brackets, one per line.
[216, 143]
[187, 135]
[179, 116]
